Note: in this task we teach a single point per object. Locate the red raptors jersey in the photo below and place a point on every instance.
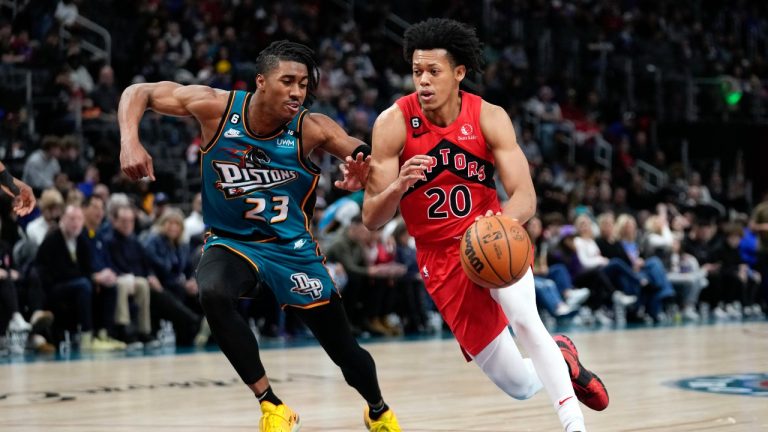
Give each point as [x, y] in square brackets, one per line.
[459, 183]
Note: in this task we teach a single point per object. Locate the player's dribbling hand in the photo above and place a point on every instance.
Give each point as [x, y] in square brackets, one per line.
[136, 163]
[355, 172]
[412, 171]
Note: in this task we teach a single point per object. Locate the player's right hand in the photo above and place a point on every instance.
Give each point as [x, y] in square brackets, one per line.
[136, 163]
[412, 171]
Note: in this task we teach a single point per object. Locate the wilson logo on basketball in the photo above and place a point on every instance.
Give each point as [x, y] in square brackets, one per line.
[471, 255]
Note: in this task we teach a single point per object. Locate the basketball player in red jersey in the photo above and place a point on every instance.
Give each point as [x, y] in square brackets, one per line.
[434, 153]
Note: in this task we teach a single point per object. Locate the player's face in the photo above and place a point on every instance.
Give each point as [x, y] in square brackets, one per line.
[284, 88]
[435, 77]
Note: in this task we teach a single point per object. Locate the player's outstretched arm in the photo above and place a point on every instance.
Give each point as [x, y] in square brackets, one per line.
[328, 135]
[387, 181]
[511, 163]
[167, 98]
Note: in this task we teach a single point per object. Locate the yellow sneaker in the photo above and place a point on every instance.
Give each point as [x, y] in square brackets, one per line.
[386, 423]
[278, 418]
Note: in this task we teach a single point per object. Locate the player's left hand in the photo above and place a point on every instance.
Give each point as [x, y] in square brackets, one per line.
[355, 172]
[24, 202]
[488, 213]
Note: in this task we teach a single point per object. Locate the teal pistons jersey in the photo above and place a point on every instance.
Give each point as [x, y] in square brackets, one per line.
[257, 187]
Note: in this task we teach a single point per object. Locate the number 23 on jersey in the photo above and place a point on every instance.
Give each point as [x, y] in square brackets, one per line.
[278, 206]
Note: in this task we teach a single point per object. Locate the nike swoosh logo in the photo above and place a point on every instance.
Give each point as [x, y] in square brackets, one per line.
[560, 403]
[416, 135]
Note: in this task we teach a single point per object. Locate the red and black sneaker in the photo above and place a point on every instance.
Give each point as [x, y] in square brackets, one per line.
[588, 387]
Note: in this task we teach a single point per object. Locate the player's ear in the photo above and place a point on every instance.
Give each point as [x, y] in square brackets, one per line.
[260, 80]
[460, 72]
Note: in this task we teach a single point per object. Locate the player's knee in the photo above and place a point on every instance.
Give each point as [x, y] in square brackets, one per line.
[516, 387]
[524, 392]
[212, 294]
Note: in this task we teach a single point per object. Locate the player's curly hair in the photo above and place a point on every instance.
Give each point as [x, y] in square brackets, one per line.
[269, 58]
[457, 38]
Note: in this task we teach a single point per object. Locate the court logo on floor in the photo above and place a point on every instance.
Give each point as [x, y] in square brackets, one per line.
[751, 384]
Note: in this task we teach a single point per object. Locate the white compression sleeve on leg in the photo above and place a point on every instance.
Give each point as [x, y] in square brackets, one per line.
[519, 304]
[506, 367]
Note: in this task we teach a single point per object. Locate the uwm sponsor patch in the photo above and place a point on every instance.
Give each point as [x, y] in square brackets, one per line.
[235, 180]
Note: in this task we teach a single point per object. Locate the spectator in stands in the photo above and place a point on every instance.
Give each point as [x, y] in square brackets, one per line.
[82, 81]
[71, 161]
[194, 227]
[600, 285]
[554, 287]
[738, 283]
[43, 164]
[48, 55]
[134, 277]
[169, 257]
[658, 235]
[64, 261]
[106, 96]
[340, 213]
[104, 277]
[66, 12]
[382, 286]
[592, 257]
[686, 276]
[650, 268]
[11, 319]
[89, 181]
[18, 49]
[411, 287]
[51, 207]
[758, 223]
[530, 147]
[178, 50]
[704, 243]
[350, 249]
[546, 111]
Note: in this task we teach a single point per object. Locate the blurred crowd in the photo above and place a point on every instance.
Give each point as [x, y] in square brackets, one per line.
[110, 262]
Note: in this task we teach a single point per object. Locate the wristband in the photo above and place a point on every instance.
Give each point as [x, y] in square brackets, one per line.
[6, 179]
[365, 149]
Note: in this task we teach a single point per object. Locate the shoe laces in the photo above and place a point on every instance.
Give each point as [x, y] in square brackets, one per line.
[277, 420]
[385, 423]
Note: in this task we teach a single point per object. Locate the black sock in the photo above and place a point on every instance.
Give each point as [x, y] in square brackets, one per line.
[375, 411]
[269, 396]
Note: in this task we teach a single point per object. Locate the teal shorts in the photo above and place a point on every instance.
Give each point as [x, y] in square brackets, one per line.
[294, 271]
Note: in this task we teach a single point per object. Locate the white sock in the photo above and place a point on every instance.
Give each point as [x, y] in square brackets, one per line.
[570, 415]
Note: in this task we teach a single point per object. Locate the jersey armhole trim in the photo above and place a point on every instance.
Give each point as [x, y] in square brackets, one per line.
[305, 162]
[222, 122]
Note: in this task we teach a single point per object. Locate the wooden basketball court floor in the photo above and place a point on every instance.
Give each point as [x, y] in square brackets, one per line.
[427, 382]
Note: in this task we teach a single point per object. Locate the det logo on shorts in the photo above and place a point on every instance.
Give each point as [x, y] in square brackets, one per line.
[752, 384]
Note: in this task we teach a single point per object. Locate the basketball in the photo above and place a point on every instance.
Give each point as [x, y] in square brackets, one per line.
[495, 252]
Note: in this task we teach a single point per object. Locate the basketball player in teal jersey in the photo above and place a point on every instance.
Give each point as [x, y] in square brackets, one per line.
[258, 196]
